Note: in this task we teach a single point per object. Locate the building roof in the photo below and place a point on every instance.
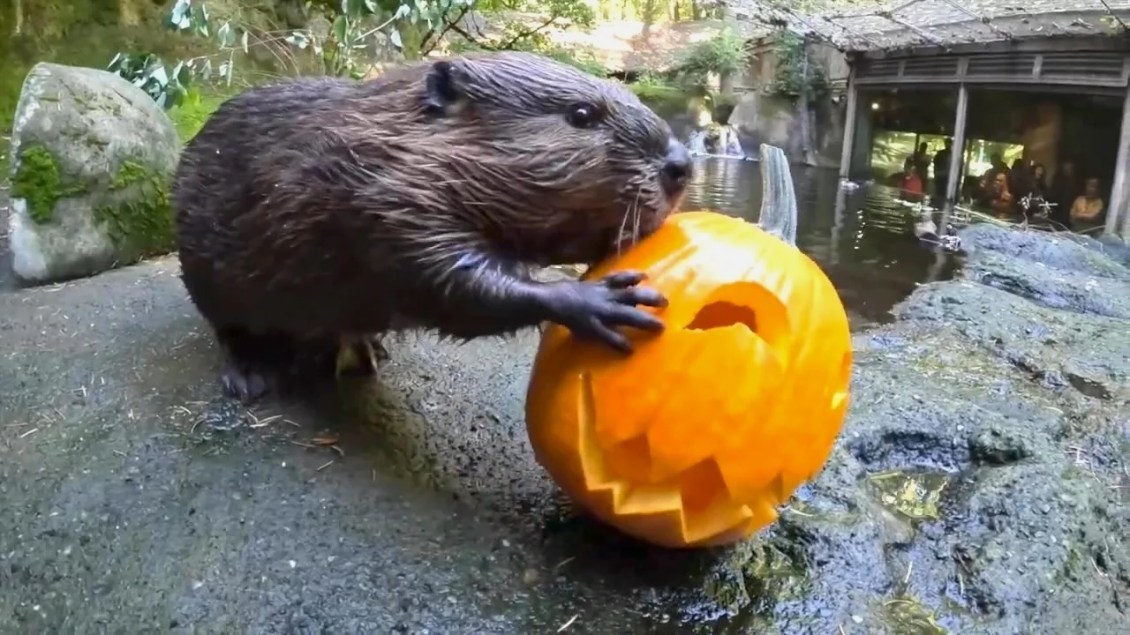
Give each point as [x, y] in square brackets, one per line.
[870, 25]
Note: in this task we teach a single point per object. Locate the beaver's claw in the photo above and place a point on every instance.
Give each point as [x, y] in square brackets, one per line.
[591, 309]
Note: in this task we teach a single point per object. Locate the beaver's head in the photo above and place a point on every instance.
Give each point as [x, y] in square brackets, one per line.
[555, 165]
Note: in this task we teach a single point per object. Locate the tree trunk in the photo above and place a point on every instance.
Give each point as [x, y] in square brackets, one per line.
[726, 83]
[649, 8]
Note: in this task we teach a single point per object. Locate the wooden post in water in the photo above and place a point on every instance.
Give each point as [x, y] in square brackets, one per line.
[1117, 212]
[849, 124]
[957, 155]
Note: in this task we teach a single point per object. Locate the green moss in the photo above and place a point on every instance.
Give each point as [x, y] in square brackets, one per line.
[907, 615]
[912, 495]
[648, 91]
[760, 573]
[39, 182]
[143, 226]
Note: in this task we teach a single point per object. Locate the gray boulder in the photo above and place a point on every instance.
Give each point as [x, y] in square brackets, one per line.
[92, 159]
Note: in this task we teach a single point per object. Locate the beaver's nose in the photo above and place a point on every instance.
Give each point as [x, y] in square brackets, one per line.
[676, 168]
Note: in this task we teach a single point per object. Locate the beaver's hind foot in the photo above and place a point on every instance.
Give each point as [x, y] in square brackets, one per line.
[360, 357]
[253, 362]
[244, 383]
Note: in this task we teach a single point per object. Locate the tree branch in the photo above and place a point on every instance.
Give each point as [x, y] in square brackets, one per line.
[527, 33]
[449, 25]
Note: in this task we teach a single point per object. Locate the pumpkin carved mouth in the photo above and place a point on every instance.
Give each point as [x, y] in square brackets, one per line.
[693, 507]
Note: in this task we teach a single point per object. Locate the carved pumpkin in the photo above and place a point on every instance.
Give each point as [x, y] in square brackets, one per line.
[705, 429]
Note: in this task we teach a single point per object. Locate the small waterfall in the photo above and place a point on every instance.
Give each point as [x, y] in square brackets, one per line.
[697, 143]
[729, 144]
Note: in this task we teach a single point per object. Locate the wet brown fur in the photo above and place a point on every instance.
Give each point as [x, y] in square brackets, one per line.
[321, 208]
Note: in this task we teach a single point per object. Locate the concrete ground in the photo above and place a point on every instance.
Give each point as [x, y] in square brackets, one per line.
[136, 499]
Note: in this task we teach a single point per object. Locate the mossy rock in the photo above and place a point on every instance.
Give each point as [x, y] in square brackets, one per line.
[92, 161]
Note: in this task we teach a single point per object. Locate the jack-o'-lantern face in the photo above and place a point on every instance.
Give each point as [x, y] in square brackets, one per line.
[704, 430]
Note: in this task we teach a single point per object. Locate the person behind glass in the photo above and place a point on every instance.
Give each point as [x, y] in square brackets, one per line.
[1040, 179]
[988, 179]
[942, 170]
[922, 161]
[1000, 197]
[1036, 186]
[1086, 211]
[912, 186]
[1064, 188]
[1019, 179]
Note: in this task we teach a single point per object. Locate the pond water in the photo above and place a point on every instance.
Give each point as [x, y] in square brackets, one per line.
[863, 240]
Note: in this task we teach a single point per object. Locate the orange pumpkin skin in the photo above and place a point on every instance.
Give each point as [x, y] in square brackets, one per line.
[704, 430]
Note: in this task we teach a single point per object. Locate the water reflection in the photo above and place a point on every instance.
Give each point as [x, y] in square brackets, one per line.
[862, 239]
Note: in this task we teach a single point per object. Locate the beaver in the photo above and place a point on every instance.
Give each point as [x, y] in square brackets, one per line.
[321, 212]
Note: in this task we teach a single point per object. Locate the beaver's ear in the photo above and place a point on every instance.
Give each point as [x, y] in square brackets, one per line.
[441, 89]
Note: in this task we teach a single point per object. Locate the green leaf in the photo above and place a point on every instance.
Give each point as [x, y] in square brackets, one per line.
[200, 21]
[160, 75]
[394, 37]
[183, 73]
[340, 28]
[180, 17]
[225, 35]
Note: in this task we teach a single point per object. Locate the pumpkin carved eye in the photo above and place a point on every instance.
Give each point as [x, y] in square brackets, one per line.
[721, 314]
[699, 435]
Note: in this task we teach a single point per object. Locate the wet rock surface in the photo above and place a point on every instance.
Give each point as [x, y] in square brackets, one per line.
[979, 485]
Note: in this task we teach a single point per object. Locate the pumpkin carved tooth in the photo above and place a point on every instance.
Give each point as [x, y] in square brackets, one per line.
[698, 436]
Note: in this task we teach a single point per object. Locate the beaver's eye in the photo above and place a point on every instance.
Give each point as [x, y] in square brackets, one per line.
[581, 115]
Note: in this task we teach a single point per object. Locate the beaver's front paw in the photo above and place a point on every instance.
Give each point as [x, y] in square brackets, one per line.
[591, 309]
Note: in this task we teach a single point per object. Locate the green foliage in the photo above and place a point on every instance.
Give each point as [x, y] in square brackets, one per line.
[555, 13]
[662, 95]
[165, 86]
[75, 32]
[723, 54]
[581, 59]
[652, 87]
[191, 114]
[520, 36]
[356, 28]
[796, 74]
